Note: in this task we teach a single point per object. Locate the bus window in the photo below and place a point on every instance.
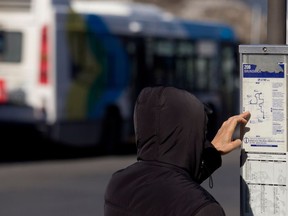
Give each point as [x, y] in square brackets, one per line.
[227, 67]
[190, 76]
[184, 60]
[147, 46]
[229, 79]
[131, 48]
[202, 74]
[12, 48]
[206, 68]
[180, 71]
[164, 48]
[164, 65]
[155, 64]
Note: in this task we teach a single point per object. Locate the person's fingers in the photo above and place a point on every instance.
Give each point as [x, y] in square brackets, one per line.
[241, 118]
[223, 141]
[246, 115]
[231, 124]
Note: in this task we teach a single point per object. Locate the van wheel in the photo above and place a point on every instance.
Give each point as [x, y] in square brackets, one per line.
[111, 135]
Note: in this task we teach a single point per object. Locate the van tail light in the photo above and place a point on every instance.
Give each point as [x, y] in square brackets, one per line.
[44, 57]
[3, 93]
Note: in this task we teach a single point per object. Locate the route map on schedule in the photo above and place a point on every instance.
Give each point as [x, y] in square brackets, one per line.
[265, 184]
[263, 94]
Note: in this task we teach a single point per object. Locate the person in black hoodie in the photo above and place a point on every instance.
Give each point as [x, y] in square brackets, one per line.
[173, 158]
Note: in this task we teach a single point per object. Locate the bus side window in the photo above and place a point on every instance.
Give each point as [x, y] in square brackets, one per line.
[184, 71]
[190, 74]
[205, 65]
[164, 66]
[201, 73]
[229, 79]
[227, 67]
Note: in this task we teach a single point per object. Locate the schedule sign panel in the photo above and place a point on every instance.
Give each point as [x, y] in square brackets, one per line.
[264, 148]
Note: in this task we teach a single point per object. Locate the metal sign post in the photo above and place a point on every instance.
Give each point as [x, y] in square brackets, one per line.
[264, 168]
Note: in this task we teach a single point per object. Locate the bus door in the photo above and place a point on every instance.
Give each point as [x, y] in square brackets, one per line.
[143, 63]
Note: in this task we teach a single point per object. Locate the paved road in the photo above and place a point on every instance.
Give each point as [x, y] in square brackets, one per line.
[75, 187]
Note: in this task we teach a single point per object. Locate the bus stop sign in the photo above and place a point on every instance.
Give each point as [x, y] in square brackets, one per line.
[263, 92]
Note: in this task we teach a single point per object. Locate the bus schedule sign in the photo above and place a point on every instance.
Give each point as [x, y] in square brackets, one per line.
[264, 175]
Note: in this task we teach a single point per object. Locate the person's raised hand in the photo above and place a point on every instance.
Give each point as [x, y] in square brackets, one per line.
[223, 140]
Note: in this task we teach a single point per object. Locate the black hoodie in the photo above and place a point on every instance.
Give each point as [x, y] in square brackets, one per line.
[173, 158]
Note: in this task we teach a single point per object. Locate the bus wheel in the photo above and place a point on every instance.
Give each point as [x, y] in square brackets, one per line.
[111, 135]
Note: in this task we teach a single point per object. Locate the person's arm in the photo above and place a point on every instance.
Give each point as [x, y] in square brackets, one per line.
[222, 143]
[210, 161]
[223, 140]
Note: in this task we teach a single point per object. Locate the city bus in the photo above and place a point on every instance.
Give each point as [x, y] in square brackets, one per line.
[71, 70]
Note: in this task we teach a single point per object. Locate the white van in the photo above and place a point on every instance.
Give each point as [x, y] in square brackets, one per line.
[34, 74]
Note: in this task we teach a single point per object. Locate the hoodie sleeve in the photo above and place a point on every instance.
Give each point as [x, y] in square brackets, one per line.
[210, 161]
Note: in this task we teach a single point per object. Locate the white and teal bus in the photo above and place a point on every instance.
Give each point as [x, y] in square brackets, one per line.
[71, 70]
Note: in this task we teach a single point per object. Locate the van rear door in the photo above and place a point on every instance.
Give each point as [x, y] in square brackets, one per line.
[1, 42]
[19, 62]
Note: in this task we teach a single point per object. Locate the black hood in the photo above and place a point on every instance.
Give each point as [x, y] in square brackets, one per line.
[170, 127]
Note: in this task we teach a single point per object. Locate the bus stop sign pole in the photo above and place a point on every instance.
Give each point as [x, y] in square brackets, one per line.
[263, 92]
[276, 22]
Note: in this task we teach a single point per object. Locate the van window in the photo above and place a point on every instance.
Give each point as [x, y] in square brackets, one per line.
[11, 47]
